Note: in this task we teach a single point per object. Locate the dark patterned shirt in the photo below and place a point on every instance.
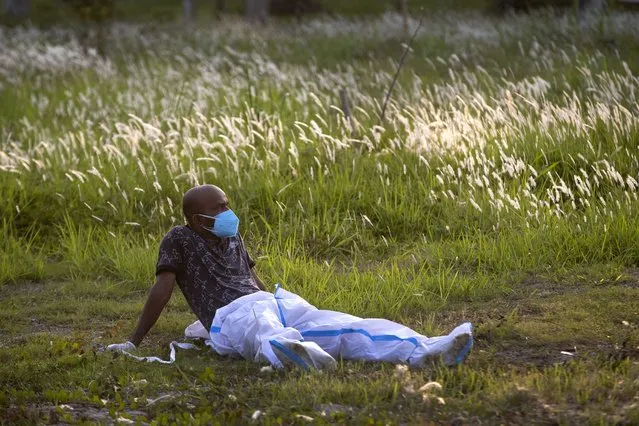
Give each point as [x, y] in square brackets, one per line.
[210, 274]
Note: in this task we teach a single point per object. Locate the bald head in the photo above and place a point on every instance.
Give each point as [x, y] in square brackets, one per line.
[204, 199]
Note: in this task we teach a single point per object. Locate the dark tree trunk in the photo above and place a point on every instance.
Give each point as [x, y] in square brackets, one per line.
[220, 8]
[257, 10]
[296, 8]
[187, 8]
[17, 8]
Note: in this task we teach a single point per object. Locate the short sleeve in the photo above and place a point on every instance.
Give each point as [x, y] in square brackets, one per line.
[170, 257]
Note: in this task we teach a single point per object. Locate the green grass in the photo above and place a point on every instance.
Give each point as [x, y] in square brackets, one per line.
[516, 373]
[501, 189]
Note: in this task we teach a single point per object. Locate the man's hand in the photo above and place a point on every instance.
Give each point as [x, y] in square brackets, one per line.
[158, 298]
[119, 347]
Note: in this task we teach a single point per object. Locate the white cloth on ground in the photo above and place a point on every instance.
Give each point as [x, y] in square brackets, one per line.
[172, 346]
[121, 347]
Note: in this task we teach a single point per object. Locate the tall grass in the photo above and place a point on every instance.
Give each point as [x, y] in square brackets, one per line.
[502, 151]
[20, 259]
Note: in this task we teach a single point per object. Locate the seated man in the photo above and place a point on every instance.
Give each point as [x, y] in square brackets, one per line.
[215, 273]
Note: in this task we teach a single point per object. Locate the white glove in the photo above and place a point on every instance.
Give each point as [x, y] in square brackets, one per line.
[119, 347]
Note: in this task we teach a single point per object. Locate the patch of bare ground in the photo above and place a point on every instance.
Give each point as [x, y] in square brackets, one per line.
[630, 278]
[26, 287]
[505, 329]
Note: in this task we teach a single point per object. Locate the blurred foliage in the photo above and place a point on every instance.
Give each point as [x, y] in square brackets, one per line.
[92, 10]
[53, 12]
[504, 5]
[295, 7]
[48, 12]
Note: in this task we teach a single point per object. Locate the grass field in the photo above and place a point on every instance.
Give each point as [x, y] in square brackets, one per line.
[501, 189]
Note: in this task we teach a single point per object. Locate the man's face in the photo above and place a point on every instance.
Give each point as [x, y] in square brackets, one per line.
[212, 205]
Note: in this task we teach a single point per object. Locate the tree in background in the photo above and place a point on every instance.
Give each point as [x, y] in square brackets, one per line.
[257, 10]
[220, 7]
[17, 8]
[403, 7]
[294, 7]
[187, 7]
[504, 5]
[93, 14]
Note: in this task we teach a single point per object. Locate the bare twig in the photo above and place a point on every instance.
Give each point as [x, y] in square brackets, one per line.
[399, 68]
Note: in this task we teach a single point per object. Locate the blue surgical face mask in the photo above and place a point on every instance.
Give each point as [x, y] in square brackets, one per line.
[225, 225]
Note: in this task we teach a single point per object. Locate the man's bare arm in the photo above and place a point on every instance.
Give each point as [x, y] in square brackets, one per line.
[258, 282]
[159, 296]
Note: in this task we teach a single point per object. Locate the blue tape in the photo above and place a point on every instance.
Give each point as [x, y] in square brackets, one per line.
[291, 355]
[279, 307]
[216, 329]
[378, 338]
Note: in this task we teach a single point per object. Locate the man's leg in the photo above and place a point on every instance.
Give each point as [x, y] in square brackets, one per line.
[351, 337]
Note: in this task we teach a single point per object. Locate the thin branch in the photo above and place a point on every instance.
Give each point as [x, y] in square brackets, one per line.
[399, 68]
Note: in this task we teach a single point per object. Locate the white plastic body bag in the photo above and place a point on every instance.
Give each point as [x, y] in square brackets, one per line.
[267, 327]
[257, 326]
